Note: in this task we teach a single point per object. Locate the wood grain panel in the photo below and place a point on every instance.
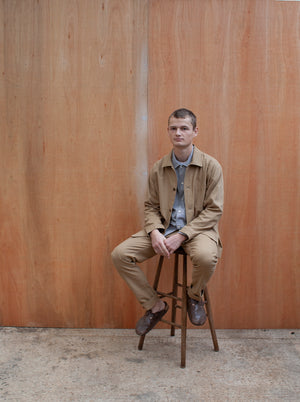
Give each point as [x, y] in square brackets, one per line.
[85, 92]
[72, 80]
[236, 64]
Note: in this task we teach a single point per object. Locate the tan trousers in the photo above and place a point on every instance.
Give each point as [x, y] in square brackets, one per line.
[138, 248]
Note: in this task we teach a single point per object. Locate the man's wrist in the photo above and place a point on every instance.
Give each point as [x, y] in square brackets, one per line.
[183, 234]
[154, 231]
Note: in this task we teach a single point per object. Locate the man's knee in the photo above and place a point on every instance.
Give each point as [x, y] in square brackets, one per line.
[122, 257]
[115, 255]
[118, 255]
[205, 259]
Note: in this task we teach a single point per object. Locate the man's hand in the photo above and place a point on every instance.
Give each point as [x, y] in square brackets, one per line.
[173, 242]
[166, 246]
[158, 243]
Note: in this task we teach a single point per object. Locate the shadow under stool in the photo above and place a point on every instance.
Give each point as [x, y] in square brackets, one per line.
[179, 301]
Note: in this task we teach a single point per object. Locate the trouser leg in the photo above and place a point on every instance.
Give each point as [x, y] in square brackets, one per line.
[125, 256]
[204, 256]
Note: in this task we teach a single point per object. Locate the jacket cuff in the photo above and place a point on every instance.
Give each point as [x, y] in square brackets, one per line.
[186, 233]
[150, 228]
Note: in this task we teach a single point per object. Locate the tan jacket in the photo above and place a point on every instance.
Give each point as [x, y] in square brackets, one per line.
[203, 194]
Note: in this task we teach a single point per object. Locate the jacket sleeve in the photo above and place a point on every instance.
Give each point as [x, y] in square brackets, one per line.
[153, 217]
[208, 218]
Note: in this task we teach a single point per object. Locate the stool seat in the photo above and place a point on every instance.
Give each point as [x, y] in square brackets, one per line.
[180, 302]
[180, 250]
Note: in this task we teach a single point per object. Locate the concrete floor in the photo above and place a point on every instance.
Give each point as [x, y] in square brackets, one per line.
[105, 365]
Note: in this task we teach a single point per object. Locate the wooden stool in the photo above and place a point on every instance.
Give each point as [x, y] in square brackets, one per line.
[181, 303]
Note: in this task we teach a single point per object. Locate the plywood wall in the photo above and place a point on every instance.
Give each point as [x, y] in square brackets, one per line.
[85, 92]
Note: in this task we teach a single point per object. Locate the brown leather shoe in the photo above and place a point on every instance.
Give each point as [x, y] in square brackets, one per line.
[196, 311]
[149, 320]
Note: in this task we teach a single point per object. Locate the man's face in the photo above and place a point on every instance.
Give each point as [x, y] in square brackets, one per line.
[181, 132]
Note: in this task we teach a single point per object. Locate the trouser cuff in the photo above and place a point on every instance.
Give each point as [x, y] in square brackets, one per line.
[150, 303]
[193, 295]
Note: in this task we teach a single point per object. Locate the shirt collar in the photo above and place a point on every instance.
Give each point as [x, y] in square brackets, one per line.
[197, 158]
[177, 163]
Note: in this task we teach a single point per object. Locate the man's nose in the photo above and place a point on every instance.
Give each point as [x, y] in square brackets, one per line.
[178, 131]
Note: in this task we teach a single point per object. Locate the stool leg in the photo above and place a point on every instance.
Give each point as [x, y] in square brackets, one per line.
[141, 342]
[174, 293]
[184, 312]
[158, 271]
[210, 320]
[155, 284]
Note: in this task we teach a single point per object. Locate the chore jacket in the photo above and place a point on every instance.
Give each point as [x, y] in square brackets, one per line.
[203, 195]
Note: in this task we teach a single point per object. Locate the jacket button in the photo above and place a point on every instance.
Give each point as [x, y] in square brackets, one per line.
[174, 189]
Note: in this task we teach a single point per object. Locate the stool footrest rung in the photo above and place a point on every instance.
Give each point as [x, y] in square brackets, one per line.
[174, 324]
[163, 294]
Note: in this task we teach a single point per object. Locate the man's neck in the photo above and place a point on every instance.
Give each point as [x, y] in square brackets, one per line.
[182, 154]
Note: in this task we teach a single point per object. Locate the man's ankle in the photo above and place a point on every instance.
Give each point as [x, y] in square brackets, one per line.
[158, 306]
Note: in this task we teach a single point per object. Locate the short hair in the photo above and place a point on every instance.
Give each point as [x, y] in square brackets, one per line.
[182, 113]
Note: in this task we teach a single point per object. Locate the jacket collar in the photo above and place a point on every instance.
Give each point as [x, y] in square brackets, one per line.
[197, 158]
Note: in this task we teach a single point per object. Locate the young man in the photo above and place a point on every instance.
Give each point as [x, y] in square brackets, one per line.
[183, 206]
